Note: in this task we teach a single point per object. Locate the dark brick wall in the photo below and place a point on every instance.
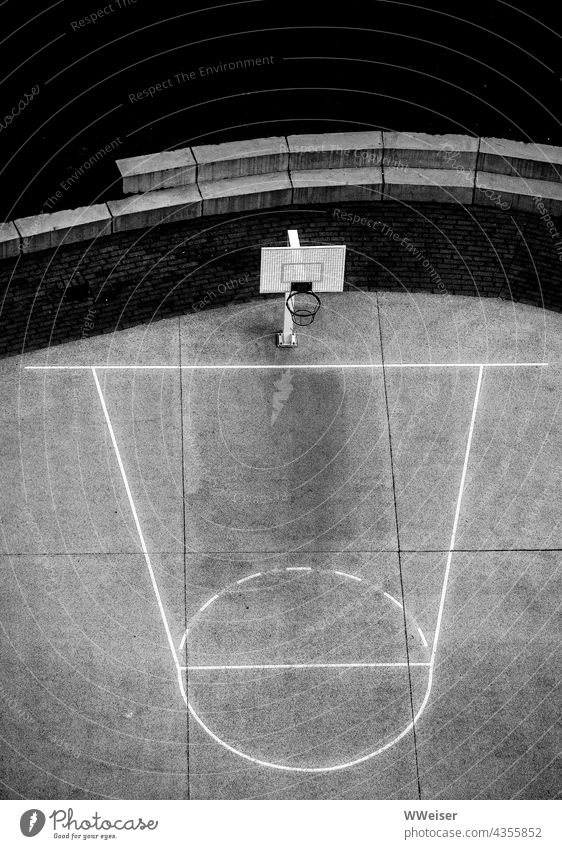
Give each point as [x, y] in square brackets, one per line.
[141, 276]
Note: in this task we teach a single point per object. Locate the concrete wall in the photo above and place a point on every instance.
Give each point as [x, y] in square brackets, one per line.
[306, 169]
[196, 219]
[138, 276]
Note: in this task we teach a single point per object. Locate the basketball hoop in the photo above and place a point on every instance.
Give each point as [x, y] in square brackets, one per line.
[303, 306]
[299, 272]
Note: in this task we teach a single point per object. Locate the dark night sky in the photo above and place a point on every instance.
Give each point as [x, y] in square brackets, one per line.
[489, 68]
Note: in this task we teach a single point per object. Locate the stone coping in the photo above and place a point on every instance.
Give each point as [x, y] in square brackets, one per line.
[309, 168]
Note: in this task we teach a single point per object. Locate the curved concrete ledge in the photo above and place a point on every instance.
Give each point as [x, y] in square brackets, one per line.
[306, 169]
[49, 230]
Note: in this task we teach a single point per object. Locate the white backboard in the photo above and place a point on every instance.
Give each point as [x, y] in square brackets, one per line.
[323, 266]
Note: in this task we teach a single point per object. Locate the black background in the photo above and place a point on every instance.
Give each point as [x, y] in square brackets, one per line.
[489, 68]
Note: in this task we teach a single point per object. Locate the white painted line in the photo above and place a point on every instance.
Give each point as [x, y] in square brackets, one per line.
[183, 640]
[298, 569]
[394, 600]
[207, 603]
[457, 514]
[249, 577]
[347, 575]
[136, 519]
[415, 719]
[422, 635]
[304, 666]
[304, 769]
[284, 366]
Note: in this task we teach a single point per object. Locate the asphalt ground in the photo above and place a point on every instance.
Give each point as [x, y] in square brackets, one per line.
[234, 571]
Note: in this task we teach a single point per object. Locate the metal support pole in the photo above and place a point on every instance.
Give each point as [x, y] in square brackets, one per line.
[288, 338]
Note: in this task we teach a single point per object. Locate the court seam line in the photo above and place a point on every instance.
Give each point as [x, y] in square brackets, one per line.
[184, 520]
[283, 366]
[136, 520]
[398, 553]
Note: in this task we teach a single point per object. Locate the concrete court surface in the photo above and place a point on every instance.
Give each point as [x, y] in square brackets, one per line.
[310, 557]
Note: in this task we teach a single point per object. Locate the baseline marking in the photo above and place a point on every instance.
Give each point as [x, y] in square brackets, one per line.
[307, 666]
[284, 366]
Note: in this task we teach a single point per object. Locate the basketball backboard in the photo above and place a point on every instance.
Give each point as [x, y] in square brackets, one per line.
[322, 266]
[293, 271]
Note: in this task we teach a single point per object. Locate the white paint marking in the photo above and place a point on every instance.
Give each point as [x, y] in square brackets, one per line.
[431, 665]
[180, 669]
[264, 366]
[306, 769]
[183, 641]
[249, 578]
[394, 600]
[207, 603]
[136, 519]
[456, 520]
[422, 635]
[298, 569]
[347, 575]
[305, 666]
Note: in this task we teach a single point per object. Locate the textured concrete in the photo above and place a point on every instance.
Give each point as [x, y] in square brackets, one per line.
[518, 193]
[519, 159]
[245, 495]
[241, 159]
[421, 150]
[157, 170]
[491, 727]
[89, 706]
[9, 240]
[429, 184]
[331, 186]
[429, 414]
[339, 486]
[154, 208]
[335, 150]
[521, 458]
[421, 329]
[245, 193]
[41, 232]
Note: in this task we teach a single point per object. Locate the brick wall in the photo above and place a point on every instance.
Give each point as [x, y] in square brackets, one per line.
[88, 288]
